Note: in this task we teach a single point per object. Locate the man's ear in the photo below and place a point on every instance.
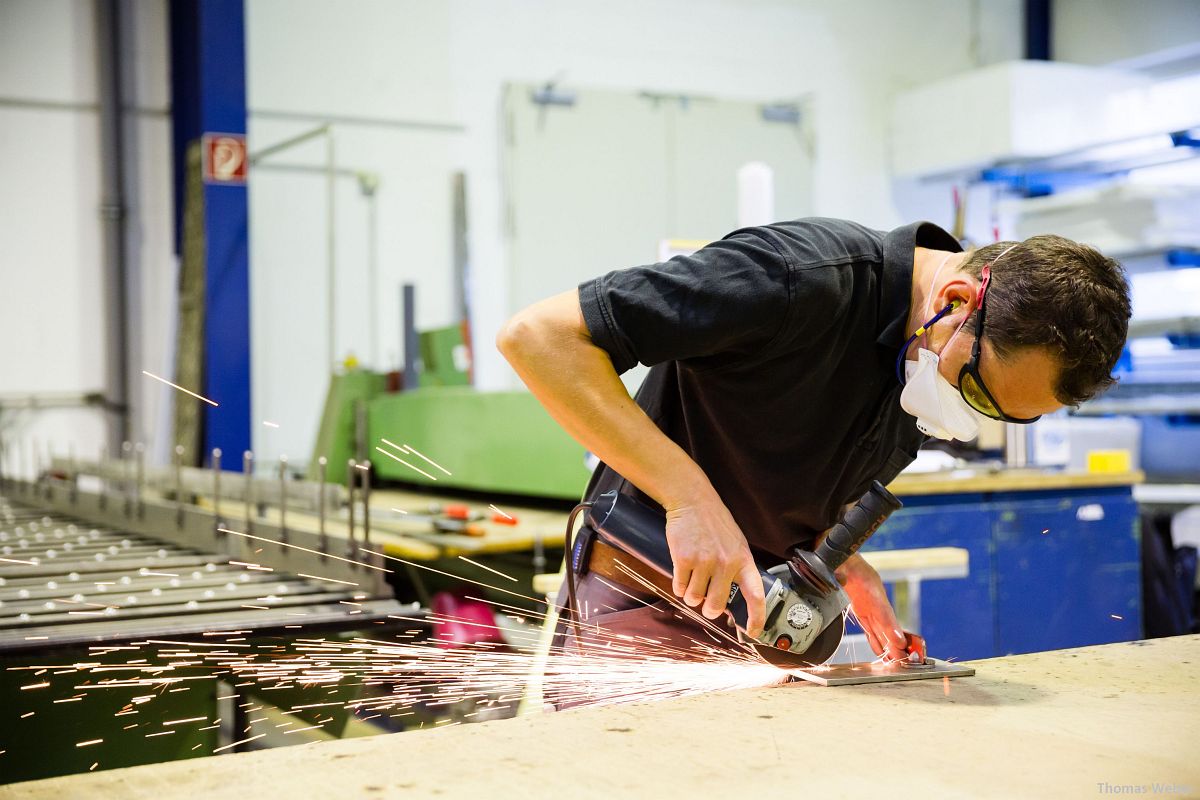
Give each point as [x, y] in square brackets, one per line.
[962, 291]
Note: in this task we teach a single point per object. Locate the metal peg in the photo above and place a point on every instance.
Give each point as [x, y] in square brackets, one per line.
[127, 476]
[283, 531]
[216, 471]
[351, 466]
[247, 469]
[39, 473]
[103, 480]
[539, 553]
[366, 498]
[360, 429]
[49, 470]
[139, 452]
[179, 487]
[322, 463]
[73, 465]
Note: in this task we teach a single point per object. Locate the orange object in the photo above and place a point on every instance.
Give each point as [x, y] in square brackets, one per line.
[504, 519]
[457, 512]
[916, 645]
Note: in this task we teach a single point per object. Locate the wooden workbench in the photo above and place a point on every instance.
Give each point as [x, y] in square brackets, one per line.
[415, 538]
[1059, 724]
[533, 525]
[961, 481]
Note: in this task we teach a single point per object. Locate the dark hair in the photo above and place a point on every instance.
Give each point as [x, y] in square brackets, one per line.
[1067, 297]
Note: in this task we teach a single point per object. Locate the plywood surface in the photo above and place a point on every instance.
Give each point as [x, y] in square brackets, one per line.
[1059, 724]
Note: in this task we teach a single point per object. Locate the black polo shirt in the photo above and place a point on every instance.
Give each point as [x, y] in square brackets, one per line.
[772, 364]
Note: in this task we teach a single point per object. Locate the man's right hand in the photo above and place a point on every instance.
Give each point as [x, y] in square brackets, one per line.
[709, 552]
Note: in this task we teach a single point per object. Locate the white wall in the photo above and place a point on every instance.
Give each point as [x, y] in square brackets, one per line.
[446, 62]
[52, 314]
[50, 322]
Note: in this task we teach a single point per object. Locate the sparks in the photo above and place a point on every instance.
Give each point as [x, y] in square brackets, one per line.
[501, 513]
[180, 388]
[305, 549]
[489, 569]
[235, 744]
[405, 463]
[449, 574]
[270, 424]
[421, 672]
[331, 580]
[409, 448]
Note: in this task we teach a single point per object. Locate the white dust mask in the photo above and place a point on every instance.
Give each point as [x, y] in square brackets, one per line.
[940, 410]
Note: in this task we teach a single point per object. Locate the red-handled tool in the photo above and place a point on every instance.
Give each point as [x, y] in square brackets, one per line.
[915, 647]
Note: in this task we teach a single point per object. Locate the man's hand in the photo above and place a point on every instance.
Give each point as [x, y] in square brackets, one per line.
[710, 552]
[870, 603]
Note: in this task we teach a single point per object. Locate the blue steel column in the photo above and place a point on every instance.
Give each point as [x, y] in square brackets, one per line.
[208, 85]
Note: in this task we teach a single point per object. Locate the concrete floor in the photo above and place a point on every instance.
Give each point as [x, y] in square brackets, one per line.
[1060, 724]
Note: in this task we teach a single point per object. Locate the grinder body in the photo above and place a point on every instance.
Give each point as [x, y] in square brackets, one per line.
[804, 601]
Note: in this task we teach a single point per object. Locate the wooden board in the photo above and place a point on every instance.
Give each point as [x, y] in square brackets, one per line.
[919, 562]
[1006, 480]
[1058, 724]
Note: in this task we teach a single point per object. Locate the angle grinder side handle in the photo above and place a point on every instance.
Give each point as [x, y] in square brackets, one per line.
[857, 525]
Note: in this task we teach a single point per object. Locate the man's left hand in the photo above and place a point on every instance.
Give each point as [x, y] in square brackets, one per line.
[870, 603]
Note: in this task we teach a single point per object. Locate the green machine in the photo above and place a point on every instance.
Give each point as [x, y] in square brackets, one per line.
[502, 442]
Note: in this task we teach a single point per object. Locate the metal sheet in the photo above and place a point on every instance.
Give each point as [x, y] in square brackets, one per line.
[873, 672]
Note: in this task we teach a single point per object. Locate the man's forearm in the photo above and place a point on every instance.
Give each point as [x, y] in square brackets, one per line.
[548, 347]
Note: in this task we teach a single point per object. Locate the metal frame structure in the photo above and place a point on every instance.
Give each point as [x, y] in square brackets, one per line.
[126, 505]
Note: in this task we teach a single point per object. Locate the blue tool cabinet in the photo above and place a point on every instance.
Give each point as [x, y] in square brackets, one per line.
[1048, 569]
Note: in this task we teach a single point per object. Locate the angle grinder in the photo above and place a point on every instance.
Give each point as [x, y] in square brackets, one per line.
[804, 601]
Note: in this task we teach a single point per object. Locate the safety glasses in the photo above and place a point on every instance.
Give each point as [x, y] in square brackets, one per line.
[970, 382]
